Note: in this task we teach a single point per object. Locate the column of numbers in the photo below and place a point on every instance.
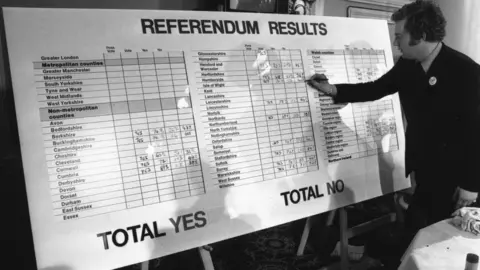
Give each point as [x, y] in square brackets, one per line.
[255, 64]
[123, 127]
[279, 101]
[289, 119]
[304, 143]
[139, 121]
[149, 86]
[292, 143]
[161, 157]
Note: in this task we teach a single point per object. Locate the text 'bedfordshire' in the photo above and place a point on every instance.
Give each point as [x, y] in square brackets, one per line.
[193, 26]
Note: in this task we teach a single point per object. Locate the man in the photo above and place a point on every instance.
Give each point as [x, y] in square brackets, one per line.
[439, 89]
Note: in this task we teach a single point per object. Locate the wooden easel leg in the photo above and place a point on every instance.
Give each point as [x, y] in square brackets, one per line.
[204, 254]
[344, 264]
[303, 240]
[306, 231]
[330, 218]
[400, 217]
[206, 257]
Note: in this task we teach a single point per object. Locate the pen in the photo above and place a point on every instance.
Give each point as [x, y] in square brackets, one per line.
[318, 80]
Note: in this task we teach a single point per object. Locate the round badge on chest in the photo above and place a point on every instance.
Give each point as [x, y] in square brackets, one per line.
[432, 81]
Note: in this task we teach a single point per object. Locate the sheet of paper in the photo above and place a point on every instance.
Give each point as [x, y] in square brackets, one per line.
[145, 133]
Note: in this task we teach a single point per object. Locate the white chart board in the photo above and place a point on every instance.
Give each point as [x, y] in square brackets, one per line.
[145, 133]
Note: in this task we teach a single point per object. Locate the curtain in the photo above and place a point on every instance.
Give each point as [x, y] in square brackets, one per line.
[463, 26]
[470, 42]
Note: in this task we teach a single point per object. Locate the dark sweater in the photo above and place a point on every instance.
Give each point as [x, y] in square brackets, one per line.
[443, 118]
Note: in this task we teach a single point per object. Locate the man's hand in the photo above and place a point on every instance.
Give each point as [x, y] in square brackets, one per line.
[320, 82]
[464, 198]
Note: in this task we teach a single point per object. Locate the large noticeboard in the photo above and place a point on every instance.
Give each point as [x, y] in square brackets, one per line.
[145, 133]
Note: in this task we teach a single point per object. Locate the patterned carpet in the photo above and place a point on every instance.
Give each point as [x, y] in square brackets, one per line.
[270, 249]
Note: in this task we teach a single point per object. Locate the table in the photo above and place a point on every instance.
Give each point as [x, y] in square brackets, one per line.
[440, 246]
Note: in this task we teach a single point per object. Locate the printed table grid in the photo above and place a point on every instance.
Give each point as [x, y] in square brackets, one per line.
[97, 128]
[365, 129]
[256, 114]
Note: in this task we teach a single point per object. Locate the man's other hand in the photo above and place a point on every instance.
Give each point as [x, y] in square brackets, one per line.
[464, 198]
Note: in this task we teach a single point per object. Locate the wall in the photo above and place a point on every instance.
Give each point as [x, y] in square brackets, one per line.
[111, 4]
[338, 8]
[463, 26]
[463, 22]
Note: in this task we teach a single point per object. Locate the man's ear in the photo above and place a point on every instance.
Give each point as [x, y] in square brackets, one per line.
[413, 42]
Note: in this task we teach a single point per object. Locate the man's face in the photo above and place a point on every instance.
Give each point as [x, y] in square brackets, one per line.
[402, 40]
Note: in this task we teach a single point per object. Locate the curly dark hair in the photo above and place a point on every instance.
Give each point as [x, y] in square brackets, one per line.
[423, 19]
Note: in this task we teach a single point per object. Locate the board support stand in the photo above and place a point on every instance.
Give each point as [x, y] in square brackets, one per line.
[145, 265]
[344, 264]
[345, 234]
[306, 231]
[204, 254]
[206, 257]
